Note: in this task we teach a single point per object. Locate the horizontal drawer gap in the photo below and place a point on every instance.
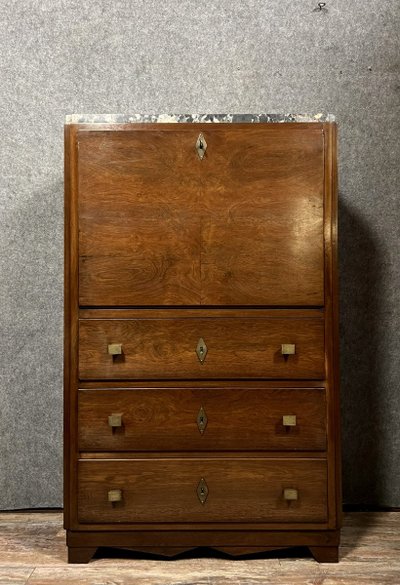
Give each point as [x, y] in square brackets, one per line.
[312, 384]
[202, 380]
[265, 455]
[254, 525]
[201, 384]
[201, 307]
[107, 456]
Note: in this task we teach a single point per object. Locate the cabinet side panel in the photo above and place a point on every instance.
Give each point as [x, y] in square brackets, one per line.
[332, 327]
[335, 328]
[70, 323]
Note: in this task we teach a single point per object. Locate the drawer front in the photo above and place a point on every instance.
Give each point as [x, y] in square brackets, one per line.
[243, 226]
[193, 348]
[202, 490]
[184, 419]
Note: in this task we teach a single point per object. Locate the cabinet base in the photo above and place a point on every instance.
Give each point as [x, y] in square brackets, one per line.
[324, 545]
[80, 554]
[325, 554]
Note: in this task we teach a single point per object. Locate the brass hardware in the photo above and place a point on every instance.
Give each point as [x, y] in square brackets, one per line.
[288, 349]
[202, 420]
[290, 494]
[201, 350]
[202, 490]
[115, 348]
[115, 495]
[115, 420]
[289, 420]
[201, 146]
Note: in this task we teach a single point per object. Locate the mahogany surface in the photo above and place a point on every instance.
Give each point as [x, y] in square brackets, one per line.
[159, 226]
[236, 419]
[240, 249]
[164, 490]
[239, 347]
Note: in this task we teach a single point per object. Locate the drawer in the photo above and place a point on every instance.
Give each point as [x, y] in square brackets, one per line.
[209, 419]
[201, 348]
[202, 490]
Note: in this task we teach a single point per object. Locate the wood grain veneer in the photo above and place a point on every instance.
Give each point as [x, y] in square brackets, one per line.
[242, 226]
[237, 419]
[240, 347]
[164, 490]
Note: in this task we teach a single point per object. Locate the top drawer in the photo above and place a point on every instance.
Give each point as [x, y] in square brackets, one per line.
[155, 346]
[159, 226]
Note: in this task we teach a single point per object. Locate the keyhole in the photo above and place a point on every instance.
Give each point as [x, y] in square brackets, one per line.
[202, 491]
[201, 144]
[201, 349]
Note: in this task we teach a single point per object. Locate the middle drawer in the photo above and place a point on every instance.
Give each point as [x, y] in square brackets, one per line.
[202, 419]
[288, 347]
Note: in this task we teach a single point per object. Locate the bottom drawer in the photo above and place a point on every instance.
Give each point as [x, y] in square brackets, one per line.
[202, 490]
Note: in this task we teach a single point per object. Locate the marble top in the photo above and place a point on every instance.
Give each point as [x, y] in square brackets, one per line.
[194, 118]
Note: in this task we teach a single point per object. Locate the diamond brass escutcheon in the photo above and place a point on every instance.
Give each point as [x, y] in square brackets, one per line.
[202, 420]
[202, 490]
[201, 350]
[201, 146]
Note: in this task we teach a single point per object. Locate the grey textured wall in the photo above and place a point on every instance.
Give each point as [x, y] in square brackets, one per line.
[127, 56]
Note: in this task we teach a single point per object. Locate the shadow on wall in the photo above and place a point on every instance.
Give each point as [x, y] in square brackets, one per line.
[362, 398]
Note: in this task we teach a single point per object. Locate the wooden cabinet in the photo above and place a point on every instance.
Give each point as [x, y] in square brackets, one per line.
[201, 360]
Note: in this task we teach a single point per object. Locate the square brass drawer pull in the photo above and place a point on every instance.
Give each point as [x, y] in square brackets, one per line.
[115, 420]
[290, 494]
[115, 495]
[115, 348]
[288, 348]
[289, 420]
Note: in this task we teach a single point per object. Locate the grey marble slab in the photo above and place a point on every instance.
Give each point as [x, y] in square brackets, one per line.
[195, 118]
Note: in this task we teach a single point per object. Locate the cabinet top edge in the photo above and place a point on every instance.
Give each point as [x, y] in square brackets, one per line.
[195, 118]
